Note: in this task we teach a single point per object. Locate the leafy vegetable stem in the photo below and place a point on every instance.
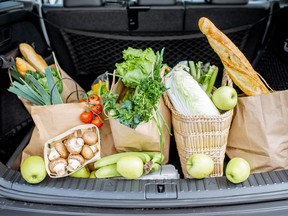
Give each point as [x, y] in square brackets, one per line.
[192, 69]
[159, 128]
[199, 70]
[33, 92]
[40, 89]
[164, 121]
[212, 80]
[54, 92]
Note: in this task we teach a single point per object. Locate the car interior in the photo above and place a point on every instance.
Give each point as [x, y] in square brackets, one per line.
[87, 38]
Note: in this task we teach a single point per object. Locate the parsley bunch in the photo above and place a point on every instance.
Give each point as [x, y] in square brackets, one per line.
[147, 96]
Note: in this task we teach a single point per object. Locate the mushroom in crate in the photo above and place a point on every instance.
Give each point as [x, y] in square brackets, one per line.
[72, 150]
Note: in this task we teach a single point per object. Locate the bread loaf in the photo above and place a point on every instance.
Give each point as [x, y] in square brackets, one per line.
[235, 63]
[32, 57]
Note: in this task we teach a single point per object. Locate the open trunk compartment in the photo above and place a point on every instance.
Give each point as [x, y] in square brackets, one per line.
[92, 48]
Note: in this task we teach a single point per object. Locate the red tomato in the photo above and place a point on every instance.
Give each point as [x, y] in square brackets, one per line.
[97, 121]
[86, 117]
[96, 109]
[93, 99]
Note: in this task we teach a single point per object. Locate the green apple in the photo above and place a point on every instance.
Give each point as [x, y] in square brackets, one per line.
[225, 98]
[83, 172]
[199, 165]
[237, 170]
[33, 169]
[92, 174]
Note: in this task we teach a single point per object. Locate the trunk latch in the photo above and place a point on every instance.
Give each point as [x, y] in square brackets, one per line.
[161, 191]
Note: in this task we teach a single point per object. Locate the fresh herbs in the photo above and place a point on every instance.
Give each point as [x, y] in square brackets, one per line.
[147, 95]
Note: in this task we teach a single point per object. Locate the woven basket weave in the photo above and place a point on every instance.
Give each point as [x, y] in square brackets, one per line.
[201, 134]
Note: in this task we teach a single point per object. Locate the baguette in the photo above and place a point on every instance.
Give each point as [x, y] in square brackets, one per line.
[32, 57]
[235, 63]
[22, 66]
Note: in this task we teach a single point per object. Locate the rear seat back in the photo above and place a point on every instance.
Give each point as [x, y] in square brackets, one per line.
[88, 39]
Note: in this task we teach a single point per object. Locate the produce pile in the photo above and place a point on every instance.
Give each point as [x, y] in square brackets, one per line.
[190, 86]
[145, 78]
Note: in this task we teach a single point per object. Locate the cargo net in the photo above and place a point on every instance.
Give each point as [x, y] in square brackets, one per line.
[273, 69]
[95, 53]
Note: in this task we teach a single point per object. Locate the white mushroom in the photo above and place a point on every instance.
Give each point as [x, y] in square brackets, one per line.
[74, 162]
[87, 152]
[53, 154]
[94, 148]
[59, 150]
[58, 166]
[74, 145]
[90, 137]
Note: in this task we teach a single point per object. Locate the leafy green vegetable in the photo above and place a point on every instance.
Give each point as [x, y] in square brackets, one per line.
[146, 96]
[186, 95]
[138, 65]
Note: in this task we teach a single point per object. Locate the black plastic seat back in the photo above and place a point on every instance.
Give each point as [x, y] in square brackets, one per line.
[89, 40]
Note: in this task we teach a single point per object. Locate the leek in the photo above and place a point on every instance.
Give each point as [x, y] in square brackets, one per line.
[34, 92]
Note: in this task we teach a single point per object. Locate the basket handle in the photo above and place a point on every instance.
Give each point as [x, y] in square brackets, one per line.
[226, 80]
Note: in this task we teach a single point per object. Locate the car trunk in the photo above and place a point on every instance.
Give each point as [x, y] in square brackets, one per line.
[87, 42]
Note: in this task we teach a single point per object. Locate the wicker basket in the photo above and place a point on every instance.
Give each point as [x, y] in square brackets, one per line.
[202, 134]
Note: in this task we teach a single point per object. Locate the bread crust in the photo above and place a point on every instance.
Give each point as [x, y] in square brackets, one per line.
[235, 63]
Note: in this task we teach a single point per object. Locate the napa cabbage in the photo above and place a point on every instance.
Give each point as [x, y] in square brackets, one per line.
[186, 95]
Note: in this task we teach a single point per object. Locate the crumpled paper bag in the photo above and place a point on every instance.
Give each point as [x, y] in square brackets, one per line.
[259, 132]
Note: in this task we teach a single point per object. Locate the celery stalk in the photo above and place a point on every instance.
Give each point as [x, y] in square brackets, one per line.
[192, 69]
[212, 80]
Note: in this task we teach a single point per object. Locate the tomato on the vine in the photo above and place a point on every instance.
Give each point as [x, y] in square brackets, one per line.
[96, 109]
[97, 121]
[86, 117]
[93, 99]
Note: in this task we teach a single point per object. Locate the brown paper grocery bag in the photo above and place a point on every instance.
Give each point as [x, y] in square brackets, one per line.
[259, 132]
[52, 120]
[145, 136]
